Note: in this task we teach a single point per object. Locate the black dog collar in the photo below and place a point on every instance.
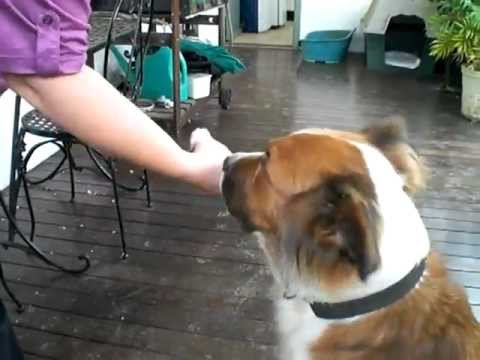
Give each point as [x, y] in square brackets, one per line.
[373, 302]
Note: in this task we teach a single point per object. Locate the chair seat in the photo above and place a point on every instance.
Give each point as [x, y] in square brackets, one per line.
[36, 123]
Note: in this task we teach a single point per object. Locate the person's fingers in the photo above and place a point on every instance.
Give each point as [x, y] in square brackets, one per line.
[198, 136]
[210, 154]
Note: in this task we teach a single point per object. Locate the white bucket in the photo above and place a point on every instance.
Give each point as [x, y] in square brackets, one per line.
[199, 85]
[471, 93]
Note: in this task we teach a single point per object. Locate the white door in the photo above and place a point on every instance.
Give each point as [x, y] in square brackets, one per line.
[265, 14]
[282, 12]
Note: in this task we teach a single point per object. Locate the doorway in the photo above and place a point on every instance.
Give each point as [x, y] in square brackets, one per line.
[266, 23]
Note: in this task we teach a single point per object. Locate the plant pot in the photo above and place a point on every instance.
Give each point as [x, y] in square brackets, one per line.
[471, 93]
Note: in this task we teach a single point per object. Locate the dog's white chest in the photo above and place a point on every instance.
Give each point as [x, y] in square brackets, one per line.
[298, 329]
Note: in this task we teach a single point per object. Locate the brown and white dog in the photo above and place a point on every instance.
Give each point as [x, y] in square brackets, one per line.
[348, 248]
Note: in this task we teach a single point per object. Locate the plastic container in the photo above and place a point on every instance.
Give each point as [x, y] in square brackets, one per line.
[199, 85]
[402, 59]
[157, 74]
[471, 94]
[330, 46]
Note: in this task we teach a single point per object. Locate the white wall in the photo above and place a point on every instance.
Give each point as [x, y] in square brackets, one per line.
[291, 5]
[334, 15]
[7, 106]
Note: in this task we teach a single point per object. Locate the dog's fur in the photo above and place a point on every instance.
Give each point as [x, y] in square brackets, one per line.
[334, 216]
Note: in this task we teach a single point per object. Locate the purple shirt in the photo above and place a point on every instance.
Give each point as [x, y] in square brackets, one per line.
[43, 37]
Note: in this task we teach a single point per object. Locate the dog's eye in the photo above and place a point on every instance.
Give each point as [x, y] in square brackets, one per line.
[342, 195]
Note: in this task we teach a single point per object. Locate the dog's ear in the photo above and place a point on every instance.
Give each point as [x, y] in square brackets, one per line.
[356, 221]
[390, 137]
[343, 227]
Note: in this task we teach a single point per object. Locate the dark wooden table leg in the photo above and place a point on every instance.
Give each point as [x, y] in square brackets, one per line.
[175, 16]
[221, 25]
[221, 42]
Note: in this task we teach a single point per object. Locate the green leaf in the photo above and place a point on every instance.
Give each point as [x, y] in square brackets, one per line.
[456, 26]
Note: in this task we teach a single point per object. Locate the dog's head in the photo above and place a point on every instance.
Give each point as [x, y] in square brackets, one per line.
[313, 197]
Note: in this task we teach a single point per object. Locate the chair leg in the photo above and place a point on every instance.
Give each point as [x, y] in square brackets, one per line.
[12, 202]
[147, 188]
[71, 168]
[111, 165]
[20, 307]
[23, 179]
[16, 180]
[29, 245]
[30, 207]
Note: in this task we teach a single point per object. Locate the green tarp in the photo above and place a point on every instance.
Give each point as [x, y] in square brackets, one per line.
[216, 55]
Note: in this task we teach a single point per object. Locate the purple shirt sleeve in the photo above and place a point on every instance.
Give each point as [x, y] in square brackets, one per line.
[43, 37]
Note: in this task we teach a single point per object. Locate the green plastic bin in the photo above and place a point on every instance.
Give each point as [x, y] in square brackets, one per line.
[329, 46]
[157, 74]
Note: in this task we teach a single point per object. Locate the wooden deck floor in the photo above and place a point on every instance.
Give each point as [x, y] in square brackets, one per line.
[194, 286]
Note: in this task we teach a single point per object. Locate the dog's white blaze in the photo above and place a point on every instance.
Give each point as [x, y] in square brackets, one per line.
[404, 240]
[403, 243]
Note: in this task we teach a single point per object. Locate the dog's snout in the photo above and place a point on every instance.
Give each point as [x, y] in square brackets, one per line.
[230, 161]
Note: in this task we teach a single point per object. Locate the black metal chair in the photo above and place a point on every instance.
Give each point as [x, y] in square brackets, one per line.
[17, 179]
[30, 248]
[36, 123]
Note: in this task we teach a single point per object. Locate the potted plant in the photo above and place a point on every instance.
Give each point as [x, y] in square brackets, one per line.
[457, 36]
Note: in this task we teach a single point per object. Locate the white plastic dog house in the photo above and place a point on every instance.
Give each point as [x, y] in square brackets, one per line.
[397, 35]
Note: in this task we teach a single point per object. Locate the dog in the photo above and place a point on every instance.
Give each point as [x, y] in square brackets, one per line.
[335, 216]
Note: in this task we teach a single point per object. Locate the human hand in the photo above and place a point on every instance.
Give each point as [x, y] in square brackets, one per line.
[209, 155]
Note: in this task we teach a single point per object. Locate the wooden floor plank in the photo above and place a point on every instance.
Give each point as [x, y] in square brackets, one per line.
[30, 356]
[466, 278]
[252, 308]
[241, 251]
[463, 250]
[46, 344]
[130, 334]
[242, 285]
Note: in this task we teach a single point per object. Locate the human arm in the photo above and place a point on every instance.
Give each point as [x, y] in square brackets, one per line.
[90, 108]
